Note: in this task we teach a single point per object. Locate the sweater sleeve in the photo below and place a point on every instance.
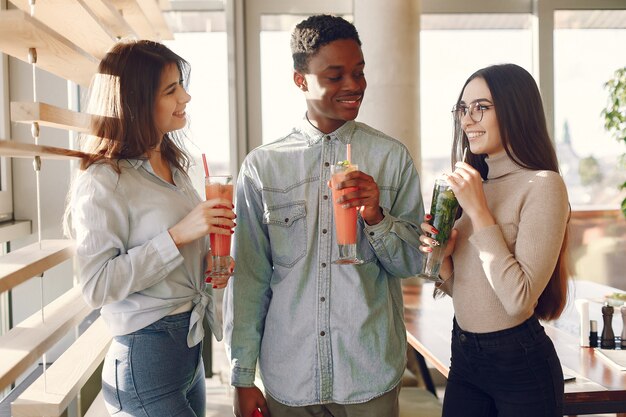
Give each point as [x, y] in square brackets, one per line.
[519, 277]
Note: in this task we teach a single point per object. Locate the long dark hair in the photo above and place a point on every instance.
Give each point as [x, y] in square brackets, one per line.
[525, 138]
[121, 102]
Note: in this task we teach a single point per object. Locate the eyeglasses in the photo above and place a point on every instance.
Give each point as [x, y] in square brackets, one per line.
[475, 109]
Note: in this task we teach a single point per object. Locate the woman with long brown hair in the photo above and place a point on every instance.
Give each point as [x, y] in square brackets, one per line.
[141, 234]
[506, 264]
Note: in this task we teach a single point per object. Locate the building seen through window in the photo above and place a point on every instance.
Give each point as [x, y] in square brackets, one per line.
[588, 155]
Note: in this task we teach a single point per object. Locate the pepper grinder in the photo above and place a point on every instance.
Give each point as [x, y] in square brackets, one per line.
[607, 341]
[623, 343]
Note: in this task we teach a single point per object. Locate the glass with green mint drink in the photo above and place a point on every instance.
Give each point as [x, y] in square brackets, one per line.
[443, 211]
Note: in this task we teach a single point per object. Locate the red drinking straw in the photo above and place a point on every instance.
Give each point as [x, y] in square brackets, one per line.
[348, 153]
[206, 166]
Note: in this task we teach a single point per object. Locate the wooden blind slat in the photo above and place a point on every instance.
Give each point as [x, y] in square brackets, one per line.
[65, 376]
[25, 343]
[32, 260]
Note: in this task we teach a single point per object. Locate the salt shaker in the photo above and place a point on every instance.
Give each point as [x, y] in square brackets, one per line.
[607, 341]
[623, 343]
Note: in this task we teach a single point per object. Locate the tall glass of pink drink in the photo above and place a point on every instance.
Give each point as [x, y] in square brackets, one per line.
[345, 218]
[219, 186]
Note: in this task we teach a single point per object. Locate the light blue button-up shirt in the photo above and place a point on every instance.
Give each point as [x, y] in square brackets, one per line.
[128, 263]
[321, 332]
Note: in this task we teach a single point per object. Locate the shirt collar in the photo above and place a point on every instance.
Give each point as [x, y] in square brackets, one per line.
[135, 163]
[145, 163]
[313, 135]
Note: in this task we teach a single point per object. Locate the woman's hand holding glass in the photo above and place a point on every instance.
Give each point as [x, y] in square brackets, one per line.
[219, 281]
[210, 216]
[467, 185]
[427, 244]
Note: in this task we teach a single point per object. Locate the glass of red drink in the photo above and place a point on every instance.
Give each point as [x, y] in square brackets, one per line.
[220, 186]
[345, 218]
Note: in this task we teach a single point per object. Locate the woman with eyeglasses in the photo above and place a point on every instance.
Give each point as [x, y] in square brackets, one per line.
[505, 266]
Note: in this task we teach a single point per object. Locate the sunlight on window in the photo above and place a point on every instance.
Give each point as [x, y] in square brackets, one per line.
[208, 109]
[447, 58]
[587, 153]
[282, 102]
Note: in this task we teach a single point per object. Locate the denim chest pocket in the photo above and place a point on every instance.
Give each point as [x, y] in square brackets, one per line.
[286, 224]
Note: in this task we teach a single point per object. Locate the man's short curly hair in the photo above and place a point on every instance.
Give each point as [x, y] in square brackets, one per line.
[316, 31]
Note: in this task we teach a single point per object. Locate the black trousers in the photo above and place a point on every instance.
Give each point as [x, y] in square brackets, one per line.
[508, 373]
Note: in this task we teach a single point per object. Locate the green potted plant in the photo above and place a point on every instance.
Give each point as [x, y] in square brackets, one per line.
[615, 115]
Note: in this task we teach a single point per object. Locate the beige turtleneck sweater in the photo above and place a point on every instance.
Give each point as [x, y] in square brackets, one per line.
[501, 270]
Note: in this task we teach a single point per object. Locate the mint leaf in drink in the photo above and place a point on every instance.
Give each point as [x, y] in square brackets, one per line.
[445, 207]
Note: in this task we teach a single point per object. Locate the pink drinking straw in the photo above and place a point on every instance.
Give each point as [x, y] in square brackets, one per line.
[348, 153]
[206, 166]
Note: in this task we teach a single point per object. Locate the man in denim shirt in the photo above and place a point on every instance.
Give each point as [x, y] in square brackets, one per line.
[330, 339]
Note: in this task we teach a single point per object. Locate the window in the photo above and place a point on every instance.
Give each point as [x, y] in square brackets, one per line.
[204, 46]
[452, 47]
[281, 101]
[587, 153]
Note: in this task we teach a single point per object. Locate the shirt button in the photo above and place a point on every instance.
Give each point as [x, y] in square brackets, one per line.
[324, 231]
[287, 220]
[323, 299]
[326, 164]
[323, 264]
[371, 233]
[325, 197]
[322, 333]
[462, 337]
[327, 137]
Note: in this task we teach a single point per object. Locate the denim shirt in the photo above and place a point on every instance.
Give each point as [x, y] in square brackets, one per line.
[321, 332]
[128, 263]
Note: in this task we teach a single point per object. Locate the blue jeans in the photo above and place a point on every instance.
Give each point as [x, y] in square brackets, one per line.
[512, 372]
[152, 372]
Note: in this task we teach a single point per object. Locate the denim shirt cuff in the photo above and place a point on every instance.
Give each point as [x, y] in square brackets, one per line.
[377, 231]
[242, 377]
